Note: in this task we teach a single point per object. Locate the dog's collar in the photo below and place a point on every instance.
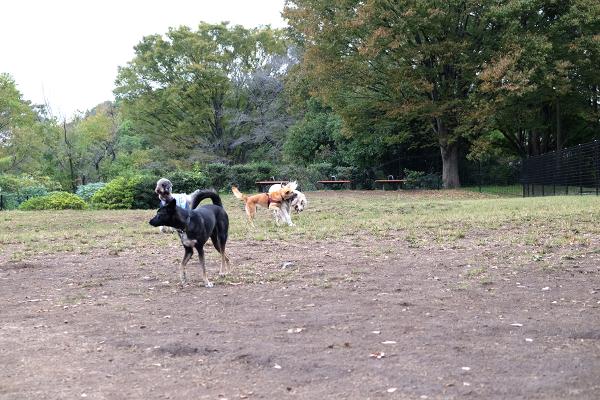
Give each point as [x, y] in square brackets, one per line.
[269, 200]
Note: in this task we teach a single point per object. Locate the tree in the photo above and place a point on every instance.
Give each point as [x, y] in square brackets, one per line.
[314, 138]
[177, 88]
[387, 66]
[257, 115]
[21, 141]
[540, 87]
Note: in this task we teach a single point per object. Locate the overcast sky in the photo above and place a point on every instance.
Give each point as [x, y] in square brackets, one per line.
[66, 52]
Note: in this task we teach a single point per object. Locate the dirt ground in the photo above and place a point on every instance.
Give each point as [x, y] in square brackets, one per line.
[355, 318]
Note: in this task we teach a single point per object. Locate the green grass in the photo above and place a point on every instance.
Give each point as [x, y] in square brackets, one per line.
[499, 190]
[419, 218]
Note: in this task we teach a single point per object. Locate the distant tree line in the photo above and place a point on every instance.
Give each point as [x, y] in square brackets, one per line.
[350, 84]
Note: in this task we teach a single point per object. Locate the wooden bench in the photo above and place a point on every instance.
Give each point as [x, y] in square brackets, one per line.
[398, 182]
[334, 182]
[261, 185]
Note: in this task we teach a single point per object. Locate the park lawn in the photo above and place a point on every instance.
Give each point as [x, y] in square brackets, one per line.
[417, 216]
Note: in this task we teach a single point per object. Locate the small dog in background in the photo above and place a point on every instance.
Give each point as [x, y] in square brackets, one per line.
[272, 201]
[164, 190]
[297, 202]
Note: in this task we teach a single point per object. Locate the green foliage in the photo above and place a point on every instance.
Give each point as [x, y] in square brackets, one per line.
[144, 196]
[126, 192]
[313, 139]
[320, 171]
[421, 180]
[54, 201]
[117, 194]
[187, 182]
[18, 188]
[406, 74]
[178, 87]
[245, 175]
[221, 176]
[20, 146]
[87, 191]
[218, 175]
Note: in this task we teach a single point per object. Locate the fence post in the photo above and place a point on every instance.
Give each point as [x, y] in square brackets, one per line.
[579, 170]
[1, 202]
[479, 166]
[597, 172]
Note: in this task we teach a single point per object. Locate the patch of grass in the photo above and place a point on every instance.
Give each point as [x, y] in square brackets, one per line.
[475, 272]
[420, 218]
[498, 190]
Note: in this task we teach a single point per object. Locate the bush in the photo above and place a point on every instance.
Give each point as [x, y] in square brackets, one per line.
[143, 192]
[345, 172]
[222, 176]
[246, 175]
[117, 194]
[54, 201]
[17, 188]
[137, 191]
[187, 182]
[295, 173]
[87, 191]
[318, 172]
[421, 180]
[218, 176]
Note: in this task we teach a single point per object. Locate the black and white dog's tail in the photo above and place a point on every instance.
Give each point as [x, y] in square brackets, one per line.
[202, 194]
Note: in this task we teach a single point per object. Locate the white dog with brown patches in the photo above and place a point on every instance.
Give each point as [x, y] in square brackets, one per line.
[297, 203]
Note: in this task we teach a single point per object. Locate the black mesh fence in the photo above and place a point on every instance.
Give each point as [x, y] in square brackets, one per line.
[499, 176]
[575, 170]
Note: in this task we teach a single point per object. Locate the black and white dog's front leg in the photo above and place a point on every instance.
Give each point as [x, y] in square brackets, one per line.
[200, 249]
[186, 257]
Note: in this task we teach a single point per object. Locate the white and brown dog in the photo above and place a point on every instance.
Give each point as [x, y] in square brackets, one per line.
[297, 203]
[273, 200]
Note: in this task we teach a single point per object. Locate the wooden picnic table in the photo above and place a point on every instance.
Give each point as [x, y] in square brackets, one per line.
[398, 182]
[266, 184]
[334, 182]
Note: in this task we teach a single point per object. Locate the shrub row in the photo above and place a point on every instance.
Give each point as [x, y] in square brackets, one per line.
[54, 201]
[137, 191]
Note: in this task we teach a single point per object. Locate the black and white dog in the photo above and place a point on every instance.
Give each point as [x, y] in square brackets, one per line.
[197, 226]
[297, 203]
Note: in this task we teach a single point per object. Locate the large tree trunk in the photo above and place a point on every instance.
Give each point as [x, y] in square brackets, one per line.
[534, 143]
[449, 150]
[450, 177]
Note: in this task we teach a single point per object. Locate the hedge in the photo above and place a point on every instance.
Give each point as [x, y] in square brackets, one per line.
[54, 201]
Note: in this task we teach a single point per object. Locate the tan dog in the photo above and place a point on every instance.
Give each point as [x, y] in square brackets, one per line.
[272, 201]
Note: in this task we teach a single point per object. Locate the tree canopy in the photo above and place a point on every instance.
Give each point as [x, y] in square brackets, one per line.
[351, 84]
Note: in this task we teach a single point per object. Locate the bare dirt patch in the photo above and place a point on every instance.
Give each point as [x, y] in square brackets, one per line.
[357, 317]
